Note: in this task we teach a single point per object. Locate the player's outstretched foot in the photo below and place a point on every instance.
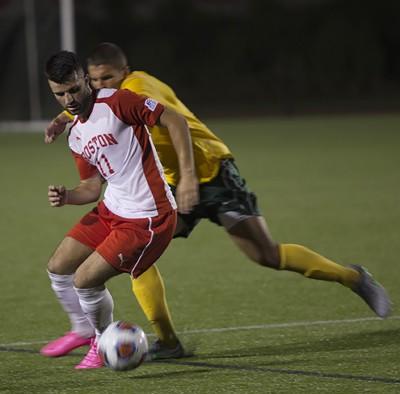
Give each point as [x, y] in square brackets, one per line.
[62, 346]
[159, 351]
[92, 359]
[372, 292]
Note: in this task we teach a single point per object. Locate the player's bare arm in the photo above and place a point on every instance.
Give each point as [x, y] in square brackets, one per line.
[187, 191]
[88, 190]
[56, 127]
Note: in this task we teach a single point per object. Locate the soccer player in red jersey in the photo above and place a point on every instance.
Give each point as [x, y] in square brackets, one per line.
[131, 227]
[225, 198]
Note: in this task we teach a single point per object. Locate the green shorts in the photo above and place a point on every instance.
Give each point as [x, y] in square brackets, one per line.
[226, 193]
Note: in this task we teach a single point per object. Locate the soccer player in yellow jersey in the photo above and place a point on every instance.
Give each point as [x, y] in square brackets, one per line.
[223, 198]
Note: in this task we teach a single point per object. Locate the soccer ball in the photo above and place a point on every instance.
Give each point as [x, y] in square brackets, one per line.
[122, 346]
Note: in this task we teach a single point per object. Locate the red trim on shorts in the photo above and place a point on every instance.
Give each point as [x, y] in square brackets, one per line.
[144, 250]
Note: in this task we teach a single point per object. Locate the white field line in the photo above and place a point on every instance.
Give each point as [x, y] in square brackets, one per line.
[242, 328]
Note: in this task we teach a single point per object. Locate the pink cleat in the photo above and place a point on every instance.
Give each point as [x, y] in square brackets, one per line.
[92, 359]
[62, 346]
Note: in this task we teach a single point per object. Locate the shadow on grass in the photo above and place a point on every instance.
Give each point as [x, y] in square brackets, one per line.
[354, 341]
[175, 374]
[10, 349]
[363, 340]
[196, 365]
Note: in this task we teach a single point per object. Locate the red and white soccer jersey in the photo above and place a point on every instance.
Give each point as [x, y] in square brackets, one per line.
[115, 141]
[134, 224]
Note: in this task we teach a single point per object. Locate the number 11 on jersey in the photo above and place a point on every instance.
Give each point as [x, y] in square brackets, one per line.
[104, 159]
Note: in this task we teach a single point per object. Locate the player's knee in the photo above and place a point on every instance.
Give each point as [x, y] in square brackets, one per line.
[56, 265]
[268, 261]
[82, 281]
[268, 257]
[85, 279]
[61, 264]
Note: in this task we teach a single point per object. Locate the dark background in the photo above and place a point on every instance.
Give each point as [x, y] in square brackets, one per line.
[237, 57]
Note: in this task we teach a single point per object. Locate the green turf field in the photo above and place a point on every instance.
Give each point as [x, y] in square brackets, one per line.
[330, 183]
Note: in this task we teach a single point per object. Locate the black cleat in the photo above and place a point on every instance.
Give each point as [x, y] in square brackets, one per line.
[159, 351]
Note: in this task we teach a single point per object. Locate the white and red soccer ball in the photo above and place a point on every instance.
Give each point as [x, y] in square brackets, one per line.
[123, 346]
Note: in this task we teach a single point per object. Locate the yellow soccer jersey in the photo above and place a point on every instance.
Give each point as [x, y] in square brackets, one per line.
[208, 148]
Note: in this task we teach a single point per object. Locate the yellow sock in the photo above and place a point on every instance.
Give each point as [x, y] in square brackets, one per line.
[312, 265]
[150, 293]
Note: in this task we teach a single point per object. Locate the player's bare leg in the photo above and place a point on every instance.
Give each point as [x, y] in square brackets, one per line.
[96, 301]
[61, 267]
[253, 238]
[251, 235]
[93, 272]
[68, 256]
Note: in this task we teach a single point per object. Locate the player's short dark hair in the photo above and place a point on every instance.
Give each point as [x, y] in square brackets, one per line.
[62, 66]
[107, 53]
